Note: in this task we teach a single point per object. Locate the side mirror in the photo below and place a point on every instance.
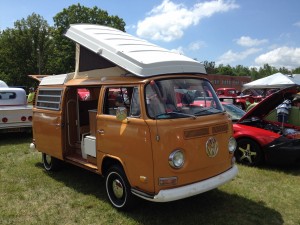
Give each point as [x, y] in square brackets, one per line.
[121, 113]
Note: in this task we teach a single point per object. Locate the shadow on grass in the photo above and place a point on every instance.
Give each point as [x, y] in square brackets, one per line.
[291, 169]
[213, 207]
[15, 138]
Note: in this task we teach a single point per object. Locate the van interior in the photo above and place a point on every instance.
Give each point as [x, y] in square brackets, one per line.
[81, 111]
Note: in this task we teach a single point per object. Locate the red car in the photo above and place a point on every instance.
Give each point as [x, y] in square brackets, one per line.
[260, 138]
[243, 100]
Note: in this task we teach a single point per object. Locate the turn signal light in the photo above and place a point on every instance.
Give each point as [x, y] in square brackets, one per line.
[167, 181]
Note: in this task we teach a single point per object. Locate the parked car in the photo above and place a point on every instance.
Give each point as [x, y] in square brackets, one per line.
[15, 113]
[242, 100]
[233, 111]
[261, 139]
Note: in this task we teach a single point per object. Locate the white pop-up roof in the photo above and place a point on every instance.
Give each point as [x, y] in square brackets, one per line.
[134, 55]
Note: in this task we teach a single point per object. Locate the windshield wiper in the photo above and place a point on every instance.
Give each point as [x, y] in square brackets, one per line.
[176, 113]
[205, 110]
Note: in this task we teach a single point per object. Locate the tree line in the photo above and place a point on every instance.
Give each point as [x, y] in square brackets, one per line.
[253, 72]
[35, 47]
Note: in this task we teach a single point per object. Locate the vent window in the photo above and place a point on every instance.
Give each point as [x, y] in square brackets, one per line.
[49, 99]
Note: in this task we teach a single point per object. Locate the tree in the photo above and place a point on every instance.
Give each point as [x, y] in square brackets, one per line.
[24, 50]
[225, 70]
[254, 73]
[284, 70]
[296, 70]
[63, 59]
[266, 71]
[210, 67]
[240, 70]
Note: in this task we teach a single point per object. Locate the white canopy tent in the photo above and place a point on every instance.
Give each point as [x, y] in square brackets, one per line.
[277, 80]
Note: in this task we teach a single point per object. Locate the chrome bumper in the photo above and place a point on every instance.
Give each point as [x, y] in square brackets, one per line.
[192, 189]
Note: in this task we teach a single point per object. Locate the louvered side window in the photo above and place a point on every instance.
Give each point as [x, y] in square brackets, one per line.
[49, 99]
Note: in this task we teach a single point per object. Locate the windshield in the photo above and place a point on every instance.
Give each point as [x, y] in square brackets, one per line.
[179, 98]
[234, 112]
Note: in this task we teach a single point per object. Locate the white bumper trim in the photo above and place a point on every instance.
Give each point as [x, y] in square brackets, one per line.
[193, 189]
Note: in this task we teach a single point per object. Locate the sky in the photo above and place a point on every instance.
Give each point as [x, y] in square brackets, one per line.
[250, 33]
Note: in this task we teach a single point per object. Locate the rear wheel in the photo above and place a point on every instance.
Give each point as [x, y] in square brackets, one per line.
[50, 163]
[248, 152]
[118, 188]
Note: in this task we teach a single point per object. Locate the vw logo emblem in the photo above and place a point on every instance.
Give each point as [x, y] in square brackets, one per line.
[212, 147]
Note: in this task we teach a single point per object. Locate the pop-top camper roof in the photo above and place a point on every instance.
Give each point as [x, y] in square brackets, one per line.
[134, 55]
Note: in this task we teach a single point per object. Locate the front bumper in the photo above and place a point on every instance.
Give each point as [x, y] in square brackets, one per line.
[191, 189]
[283, 151]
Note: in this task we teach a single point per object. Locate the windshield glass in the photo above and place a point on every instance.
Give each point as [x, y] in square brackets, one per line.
[179, 98]
[234, 112]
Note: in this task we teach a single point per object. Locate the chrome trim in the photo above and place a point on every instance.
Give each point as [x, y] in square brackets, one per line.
[171, 159]
[191, 189]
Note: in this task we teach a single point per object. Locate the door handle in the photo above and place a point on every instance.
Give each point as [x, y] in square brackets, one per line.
[101, 132]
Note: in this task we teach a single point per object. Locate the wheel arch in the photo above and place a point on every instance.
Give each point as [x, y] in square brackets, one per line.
[251, 138]
[108, 162]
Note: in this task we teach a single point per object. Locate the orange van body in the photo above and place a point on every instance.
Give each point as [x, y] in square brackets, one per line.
[132, 143]
[138, 125]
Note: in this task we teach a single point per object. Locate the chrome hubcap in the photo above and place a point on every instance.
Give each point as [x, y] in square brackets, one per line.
[117, 188]
[48, 159]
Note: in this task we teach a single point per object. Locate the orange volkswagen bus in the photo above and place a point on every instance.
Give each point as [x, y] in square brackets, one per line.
[132, 116]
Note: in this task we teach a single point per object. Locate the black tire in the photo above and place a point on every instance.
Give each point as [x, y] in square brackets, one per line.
[248, 152]
[50, 163]
[118, 189]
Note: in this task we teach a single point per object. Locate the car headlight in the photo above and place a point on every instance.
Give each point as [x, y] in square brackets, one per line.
[231, 144]
[176, 159]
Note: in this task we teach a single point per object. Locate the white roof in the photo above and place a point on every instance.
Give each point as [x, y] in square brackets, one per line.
[56, 79]
[3, 84]
[135, 55]
[18, 94]
[277, 80]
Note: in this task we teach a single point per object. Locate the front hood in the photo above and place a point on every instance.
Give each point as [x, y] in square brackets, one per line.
[271, 102]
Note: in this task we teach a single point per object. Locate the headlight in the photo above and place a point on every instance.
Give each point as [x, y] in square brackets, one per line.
[176, 159]
[231, 144]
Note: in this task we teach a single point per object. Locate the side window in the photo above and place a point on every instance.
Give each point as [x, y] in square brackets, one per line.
[122, 97]
[49, 99]
[135, 110]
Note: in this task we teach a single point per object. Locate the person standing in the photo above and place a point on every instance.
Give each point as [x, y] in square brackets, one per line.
[30, 97]
[283, 111]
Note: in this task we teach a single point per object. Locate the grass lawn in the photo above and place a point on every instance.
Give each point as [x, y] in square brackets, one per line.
[29, 195]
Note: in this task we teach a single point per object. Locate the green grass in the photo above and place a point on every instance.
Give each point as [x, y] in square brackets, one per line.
[29, 195]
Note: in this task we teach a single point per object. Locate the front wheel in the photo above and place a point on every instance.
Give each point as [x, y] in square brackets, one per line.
[50, 163]
[118, 188]
[248, 152]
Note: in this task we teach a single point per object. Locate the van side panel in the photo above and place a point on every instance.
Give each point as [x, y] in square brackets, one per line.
[47, 132]
[48, 121]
